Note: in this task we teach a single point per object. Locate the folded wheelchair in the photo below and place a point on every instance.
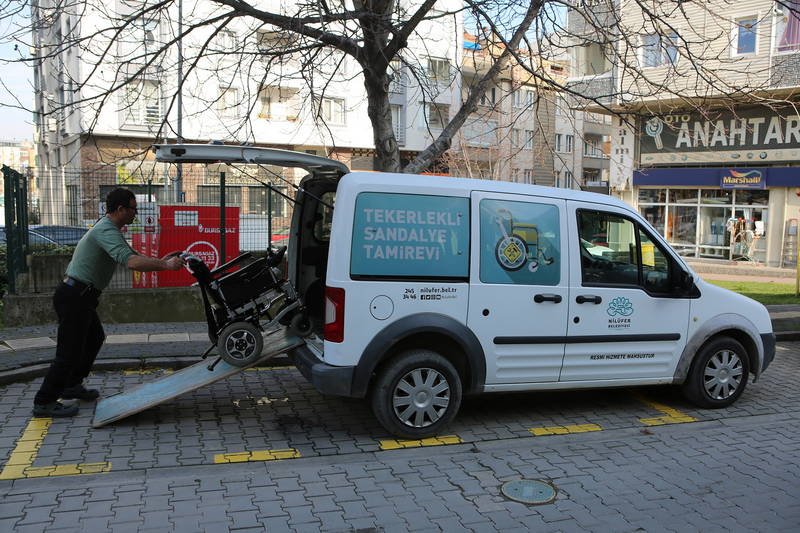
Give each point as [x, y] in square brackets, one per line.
[243, 299]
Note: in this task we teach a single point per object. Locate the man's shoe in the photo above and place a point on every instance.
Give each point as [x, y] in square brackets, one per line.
[79, 392]
[54, 410]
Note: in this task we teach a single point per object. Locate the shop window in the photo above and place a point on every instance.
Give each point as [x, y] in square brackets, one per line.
[752, 197]
[652, 196]
[683, 196]
[654, 214]
[719, 196]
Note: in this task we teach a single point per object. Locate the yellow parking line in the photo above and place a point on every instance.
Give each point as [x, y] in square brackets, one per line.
[433, 441]
[259, 455]
[564, 430]
[145, 371]
[671, 415]
[20, 463]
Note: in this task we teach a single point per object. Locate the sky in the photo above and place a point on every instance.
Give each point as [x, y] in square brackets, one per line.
[15, 124]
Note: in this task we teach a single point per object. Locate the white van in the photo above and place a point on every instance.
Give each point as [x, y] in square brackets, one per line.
[425, 288]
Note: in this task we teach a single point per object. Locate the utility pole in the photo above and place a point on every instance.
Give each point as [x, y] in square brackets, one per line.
[179, 101]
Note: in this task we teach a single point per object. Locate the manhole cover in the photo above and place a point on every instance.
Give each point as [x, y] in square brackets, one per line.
[529, 491]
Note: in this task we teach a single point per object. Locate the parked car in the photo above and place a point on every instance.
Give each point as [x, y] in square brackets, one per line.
[63, 235]
[34, 238]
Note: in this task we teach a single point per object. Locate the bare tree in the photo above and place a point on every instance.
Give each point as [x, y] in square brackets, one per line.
[256, 54]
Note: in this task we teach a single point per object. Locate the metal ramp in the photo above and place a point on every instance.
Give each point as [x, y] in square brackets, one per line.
[191, 378]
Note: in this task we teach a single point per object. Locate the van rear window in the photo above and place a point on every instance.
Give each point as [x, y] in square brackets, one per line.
[410, 236]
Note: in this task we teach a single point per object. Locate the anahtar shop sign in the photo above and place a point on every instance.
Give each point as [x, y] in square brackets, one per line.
[747, 135]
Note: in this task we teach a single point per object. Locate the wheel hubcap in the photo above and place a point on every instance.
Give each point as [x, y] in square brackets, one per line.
[723, 375]
[240, 344]
[421, 397]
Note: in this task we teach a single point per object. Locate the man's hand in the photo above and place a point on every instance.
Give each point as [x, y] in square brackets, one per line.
[175, 263]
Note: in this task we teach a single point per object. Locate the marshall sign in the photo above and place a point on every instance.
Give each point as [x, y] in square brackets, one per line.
[748, 135]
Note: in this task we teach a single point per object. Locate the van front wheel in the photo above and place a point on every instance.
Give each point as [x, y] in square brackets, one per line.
[416, 394]
[718, 374]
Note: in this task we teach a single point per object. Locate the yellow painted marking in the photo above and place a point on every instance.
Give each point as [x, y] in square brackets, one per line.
[433, 441]
[564, 430]
[20, 463]
[145, 371]
[671, 415]
[258, 455]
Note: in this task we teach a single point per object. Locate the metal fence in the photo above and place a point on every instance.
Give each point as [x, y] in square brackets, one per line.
[215, 212]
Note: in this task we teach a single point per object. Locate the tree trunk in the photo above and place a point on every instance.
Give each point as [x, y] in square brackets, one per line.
[387, 155]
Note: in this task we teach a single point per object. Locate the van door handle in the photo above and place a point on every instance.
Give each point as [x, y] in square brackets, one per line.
[588, 299]
[555, 298]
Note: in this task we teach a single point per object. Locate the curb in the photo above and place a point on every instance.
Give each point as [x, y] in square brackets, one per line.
[27, 373]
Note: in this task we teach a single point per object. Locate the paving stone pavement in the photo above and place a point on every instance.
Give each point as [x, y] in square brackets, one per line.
[734, 469]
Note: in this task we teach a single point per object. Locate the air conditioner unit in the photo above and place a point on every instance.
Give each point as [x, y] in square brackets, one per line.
[52, 125]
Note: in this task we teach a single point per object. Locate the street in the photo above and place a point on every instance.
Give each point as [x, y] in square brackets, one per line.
[263, 449]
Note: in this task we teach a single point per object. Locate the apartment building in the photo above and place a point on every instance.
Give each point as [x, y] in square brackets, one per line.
[706, 141]
[234, 87]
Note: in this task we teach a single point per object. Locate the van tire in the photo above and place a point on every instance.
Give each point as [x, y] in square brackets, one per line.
[426, 375]
[718, 374]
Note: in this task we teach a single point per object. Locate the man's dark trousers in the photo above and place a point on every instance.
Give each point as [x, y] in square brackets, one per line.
[80, 337]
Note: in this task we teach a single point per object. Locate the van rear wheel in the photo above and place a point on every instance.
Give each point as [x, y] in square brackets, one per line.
[416, 394]
[718, 375]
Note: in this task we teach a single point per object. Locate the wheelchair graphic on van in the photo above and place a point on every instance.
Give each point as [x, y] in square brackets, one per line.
[519, 244]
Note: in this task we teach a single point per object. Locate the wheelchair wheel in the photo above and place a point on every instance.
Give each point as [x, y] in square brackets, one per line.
[300, 325]
[240, 344]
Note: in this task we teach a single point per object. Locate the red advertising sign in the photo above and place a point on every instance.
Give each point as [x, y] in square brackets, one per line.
[194, 229]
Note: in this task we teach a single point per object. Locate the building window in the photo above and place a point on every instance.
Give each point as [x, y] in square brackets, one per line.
[488, 98]
[516, 136]
[787, 28]
[529, 139]
[658, 50]
[439, 70]
[332, 110]
[143, 103]
[527, 175]
[591, 148]
[399, 123]
[515, 175]
[209, 194]
[744, 35]
[258, 201]
[567, 178]
[398, 80]
[228, 42]
[438, 115]
[228, 102]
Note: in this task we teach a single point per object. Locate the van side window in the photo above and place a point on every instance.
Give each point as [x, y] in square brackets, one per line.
[410, 236]
[519, 243]
[608, 249]
[617, 251]
[655, 265]
[324, 217]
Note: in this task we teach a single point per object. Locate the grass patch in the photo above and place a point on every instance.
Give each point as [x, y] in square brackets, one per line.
[766, 293]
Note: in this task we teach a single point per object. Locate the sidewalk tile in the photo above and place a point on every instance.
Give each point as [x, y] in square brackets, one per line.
[169, 337]
[130, 338]
[198, 337]
[26, 344]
